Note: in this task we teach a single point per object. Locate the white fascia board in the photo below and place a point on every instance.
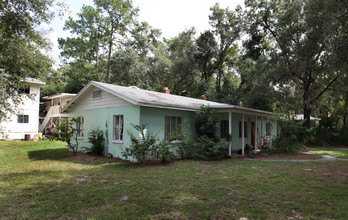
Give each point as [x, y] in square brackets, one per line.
[247, 111]
[77, 96]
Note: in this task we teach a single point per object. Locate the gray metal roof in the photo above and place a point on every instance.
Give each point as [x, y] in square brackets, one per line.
[60, 95]
[300, 117]
[143, 97]
[33, 81]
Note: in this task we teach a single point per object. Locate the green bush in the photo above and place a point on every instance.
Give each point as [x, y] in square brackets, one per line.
[206, 123]
[69, 133]
[208, 145]
[291, 137]
[97, 141]
[330, 132]
[183, 143]
[147, 147]
[207, 149]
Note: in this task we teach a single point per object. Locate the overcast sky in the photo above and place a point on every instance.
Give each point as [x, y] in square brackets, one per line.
[170, 16]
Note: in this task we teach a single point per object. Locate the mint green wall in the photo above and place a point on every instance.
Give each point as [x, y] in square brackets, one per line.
[155, 117]
[96, 118]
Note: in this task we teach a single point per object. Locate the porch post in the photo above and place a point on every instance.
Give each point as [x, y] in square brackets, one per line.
[243, 135]
[60, 104]
[255, 132]
[230, 132]
[261, 127]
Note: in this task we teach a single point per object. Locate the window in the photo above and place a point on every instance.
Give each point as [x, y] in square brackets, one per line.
[79, 127]
[118, 128]
[268, 129]
[25, 89]
[23, 119]
[172, 126]
[245, 129]
[97, 94]
[224, 128]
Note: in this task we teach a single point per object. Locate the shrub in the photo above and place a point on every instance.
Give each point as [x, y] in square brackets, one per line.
[147, 147]
[329, 132]
[97, 140]
[161, 152]
[182, 142]
[206, 123]
[208, 145]
[69, 133]
[291, 137]
[207, 149]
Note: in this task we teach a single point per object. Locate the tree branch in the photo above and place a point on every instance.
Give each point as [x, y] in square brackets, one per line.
[326, 88]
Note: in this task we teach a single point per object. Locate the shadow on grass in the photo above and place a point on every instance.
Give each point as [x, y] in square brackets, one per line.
[49, 154]
[63, 154]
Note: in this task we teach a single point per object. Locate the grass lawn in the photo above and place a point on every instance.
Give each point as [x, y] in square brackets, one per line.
[332, 151]
[39, 180]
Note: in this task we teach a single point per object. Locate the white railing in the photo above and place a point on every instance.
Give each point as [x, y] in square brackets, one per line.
[53, 112]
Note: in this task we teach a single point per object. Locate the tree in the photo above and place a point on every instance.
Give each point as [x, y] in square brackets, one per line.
[87, 45]
[183, 69]
[77, 74]
[305, 36]
[118, 15]
[55, 83]
[21, 47]
[226, 28]
[133, 63]
[206, 51]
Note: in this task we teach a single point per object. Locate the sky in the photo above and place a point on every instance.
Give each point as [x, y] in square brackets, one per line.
[170, 16]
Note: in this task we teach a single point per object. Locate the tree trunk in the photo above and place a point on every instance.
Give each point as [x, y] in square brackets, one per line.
[108, 64]
[97, 63]
[109, 52]
[307, 117]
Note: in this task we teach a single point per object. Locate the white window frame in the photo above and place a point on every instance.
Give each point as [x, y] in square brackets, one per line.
[94, 92]
[168, 132]
[118, 128]
[80, 127]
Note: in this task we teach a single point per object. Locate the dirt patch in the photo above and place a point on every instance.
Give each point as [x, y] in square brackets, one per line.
[298, 156]
[332, 171]
[90, 159]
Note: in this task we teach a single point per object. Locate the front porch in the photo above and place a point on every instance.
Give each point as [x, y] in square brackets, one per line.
[255, 127]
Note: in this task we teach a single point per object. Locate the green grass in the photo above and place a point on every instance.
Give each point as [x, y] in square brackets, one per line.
[332, 151]
[39, 181]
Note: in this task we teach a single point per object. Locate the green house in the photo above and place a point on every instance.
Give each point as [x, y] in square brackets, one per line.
[113, 108]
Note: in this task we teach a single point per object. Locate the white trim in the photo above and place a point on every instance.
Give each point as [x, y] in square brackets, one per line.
[117, 141]
[243, 136]
[255, 134]
[230, 132]
[120, 137]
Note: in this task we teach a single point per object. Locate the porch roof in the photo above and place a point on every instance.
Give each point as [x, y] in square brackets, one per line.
[60, 95]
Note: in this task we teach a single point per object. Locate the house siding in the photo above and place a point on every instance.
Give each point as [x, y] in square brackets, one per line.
[86, 100]
[30, 107]
[97, 119]
[155, 118]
